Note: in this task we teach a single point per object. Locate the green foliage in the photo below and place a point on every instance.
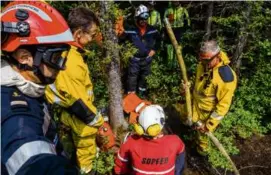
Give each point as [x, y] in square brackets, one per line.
[251, 108]
[215, 157]
[104, 163]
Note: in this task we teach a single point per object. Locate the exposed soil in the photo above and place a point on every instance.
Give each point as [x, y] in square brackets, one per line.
[254, 157]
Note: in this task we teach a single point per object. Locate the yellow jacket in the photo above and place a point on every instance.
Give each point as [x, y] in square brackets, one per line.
[213, 92]
[73, 89]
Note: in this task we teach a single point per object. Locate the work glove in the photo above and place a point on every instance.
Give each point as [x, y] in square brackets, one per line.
[97, 121]
[200, 126]
[184, 86]
[105, 137]
[212, 123]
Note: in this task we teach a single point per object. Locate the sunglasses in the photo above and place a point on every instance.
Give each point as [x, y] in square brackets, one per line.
[207, 59]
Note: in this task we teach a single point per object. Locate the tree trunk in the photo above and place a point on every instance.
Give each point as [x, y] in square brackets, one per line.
[242, 40]
[114, 78]
[208, 24]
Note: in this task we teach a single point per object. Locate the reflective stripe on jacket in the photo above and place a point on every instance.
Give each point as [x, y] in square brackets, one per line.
[213, 92]
[149, 156]
[24, 147]
[143, 43]
[73, 86]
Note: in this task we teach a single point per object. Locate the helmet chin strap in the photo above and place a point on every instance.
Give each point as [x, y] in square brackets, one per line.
[44, 80]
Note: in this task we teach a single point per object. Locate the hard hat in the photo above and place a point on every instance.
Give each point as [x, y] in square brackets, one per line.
[151, 2]
[209, 50]
[32, 23]
[142, 12]
[151, 121]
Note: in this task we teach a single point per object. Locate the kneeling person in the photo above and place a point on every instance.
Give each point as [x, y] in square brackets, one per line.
[149, 151]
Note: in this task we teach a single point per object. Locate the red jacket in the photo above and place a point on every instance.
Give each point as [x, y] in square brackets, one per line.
[138, 155]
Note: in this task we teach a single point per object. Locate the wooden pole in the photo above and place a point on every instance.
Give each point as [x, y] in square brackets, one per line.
[183, 69]
[188, 96]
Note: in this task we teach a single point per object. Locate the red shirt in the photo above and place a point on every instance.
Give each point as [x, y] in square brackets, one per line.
[149, 156]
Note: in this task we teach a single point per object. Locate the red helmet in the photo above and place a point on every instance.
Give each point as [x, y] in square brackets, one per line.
[33, 23]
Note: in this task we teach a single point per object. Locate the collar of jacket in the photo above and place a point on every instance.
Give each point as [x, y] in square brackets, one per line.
[78, 47]
[9, 77]
[137, 30]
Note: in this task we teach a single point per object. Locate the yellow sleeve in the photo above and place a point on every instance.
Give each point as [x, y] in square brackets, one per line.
[73, 89]
[224, 95]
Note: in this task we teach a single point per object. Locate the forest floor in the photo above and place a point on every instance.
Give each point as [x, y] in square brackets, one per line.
[254, 157]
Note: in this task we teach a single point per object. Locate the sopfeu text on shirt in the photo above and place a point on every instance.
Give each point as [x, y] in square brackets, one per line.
[151, 161]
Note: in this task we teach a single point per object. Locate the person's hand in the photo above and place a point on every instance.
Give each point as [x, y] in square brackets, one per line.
[186, 85]
[200, 126]
[97, 121]
[151, 53]
[188, 122]
[119, 26]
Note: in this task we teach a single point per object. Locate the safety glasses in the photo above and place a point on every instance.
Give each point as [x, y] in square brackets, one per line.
[144, 16]
[55, 57]
[205, 58]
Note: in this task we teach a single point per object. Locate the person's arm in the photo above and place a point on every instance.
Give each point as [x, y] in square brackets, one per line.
[70, 91]
[25, 149]
[179, 163]
[122, 159]
[180, 156]
[225, 91]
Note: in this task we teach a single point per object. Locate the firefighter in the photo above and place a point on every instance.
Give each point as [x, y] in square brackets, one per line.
[178, 18]
[214, 88]
[155, 17]
[144, 38]
[73, 91]
[34, 45]
[148, 150]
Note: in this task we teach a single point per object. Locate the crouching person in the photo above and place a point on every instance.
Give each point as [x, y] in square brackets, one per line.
[149, 151]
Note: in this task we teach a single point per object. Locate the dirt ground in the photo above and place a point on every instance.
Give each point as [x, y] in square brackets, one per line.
[254, 157]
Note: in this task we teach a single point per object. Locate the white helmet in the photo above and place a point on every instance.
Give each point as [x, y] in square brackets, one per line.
[152, 115]
[142, 12]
